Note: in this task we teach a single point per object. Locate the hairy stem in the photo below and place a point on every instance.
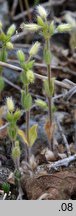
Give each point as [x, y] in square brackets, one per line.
[49, 98]
[27, 127]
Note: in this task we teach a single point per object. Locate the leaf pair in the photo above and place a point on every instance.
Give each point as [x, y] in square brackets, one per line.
[49, 90]
[13, 117]
[32, 135]
[26, 100]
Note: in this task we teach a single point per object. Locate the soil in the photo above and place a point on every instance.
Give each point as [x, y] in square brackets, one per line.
[57, 186]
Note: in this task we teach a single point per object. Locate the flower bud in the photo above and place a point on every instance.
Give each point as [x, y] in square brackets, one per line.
[30, 27]
[21, 56]
[34, 49]
[64, 28]
[11, 30]
[10, 104]
[42, 12]
[40, 21]
[9, 45]
[30, 76]
[16, 151]
[41, 103]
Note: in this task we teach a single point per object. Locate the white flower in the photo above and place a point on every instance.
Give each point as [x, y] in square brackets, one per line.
[10, 104]
[42, 12]
[34, 49]
[30, 27]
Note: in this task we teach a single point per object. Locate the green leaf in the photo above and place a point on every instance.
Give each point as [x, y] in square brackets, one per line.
[3, 55]
[26, 100]
[30, 64]
[52, 28]
[23, 77]
[49, 90]
[47, 56]
[9, 117]
[12, 132]
[2, 37]
[17, 115]
[22, 135]
[52, 81]
[33, 134]
[1, 84]
[46, 87]
[54, 109]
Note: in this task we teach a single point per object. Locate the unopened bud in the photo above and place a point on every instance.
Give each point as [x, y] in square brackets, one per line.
[41, 103]
[64, 28]
[42, 12]
[40, 21]
[16, 151]
[10, 104]
[30, 76]
[30, 27]
[34, 49]
[21, 56]
[9, 45]
[11, 30]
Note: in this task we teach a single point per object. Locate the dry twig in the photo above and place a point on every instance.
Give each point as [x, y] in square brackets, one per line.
[61, 163]
[63, 137]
